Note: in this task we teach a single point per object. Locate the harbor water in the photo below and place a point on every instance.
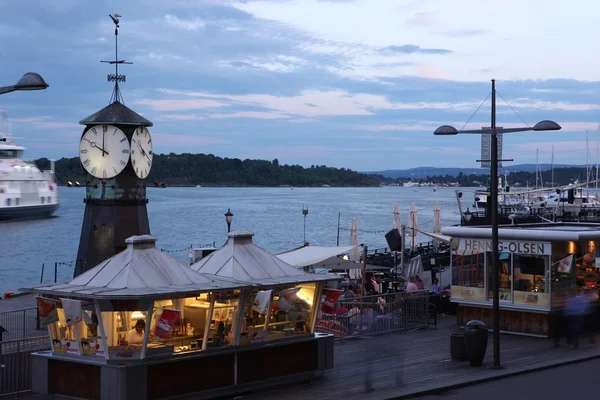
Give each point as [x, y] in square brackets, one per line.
[184, 217]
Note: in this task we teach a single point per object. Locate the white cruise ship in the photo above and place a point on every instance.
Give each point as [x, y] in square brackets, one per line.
[25, 191]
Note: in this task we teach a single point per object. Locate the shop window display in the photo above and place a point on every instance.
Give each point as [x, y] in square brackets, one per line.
[505, 276]
[468, 276]
[63, 335]
[125, 332]
[223, 318]
[531, 283]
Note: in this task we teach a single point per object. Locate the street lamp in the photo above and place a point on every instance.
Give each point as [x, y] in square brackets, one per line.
[468, 214]
[305, 213]
[228, 218]
[493, 131]
[29, 81]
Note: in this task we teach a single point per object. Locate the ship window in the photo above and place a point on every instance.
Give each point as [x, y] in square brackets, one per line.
[43, 198]
[16, 202]
[49, 199]
[8, 202]
[8, 153]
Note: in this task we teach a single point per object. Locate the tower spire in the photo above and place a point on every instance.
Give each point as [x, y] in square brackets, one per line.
[116, 78]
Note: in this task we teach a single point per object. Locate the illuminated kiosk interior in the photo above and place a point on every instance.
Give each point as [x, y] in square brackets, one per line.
[539, 264]
[142, 325]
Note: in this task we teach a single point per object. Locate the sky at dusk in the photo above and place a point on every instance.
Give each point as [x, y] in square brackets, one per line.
[344, 83]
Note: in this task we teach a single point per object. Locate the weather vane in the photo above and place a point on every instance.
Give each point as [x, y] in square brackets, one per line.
[116, 78]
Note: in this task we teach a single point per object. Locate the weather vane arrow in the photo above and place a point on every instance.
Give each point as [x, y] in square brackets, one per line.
[116, 78]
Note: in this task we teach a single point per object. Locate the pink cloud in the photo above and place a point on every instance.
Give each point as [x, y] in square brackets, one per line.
[180, 117]
[251, 114]
[423, 19]
[431, 72]
[175, 105]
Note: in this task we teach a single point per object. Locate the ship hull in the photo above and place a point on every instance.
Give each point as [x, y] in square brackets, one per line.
[27, 212]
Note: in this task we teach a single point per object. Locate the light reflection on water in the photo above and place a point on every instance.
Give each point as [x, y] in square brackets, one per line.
[184, 217]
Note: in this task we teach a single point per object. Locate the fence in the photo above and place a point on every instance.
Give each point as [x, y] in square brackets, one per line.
[20, 324]
[377, 315]
[15, 363]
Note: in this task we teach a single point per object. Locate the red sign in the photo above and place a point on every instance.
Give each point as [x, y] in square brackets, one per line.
[331, 298]
[164, 324]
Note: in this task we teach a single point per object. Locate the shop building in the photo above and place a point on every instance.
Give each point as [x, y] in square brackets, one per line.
[540, 265]
[142, 325]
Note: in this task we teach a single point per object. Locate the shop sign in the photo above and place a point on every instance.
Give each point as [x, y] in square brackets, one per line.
[467, 293]
[532, 298]
[258, 336]
[474, 246]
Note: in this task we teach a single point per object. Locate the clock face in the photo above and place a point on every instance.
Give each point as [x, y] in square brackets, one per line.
[141, 152]
[104, 151]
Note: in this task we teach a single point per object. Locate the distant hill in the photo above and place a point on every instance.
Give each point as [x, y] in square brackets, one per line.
[423, 172]
[209, 170]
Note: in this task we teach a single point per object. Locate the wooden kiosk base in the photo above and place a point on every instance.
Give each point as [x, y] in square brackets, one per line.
[220, 372]
[534, 323]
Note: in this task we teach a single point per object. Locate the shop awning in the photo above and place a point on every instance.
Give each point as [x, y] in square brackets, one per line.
[312, 255]
[139, 270]
[240, 259]
[437, 236]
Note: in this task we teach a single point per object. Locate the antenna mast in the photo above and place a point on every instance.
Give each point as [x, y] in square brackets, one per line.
[116, 78]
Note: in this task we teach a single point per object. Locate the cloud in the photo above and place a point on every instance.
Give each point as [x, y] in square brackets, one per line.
[165, 140]
[174, 104]
[188, 25]
[250, 114]
[180, 117]
[465, 33]
[413, 49]
[423, 19]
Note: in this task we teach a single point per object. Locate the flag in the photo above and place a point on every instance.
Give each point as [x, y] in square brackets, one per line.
[47, 311]
[564, 265]
[331, 298]
[164, 324]
[73, 311]
[261, 301]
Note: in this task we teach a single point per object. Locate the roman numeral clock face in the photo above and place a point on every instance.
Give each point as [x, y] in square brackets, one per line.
[141, 152]
[104, 151]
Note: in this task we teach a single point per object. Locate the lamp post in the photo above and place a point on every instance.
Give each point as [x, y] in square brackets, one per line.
[228, 218]
[305, 213]
[29, 81]
[493, 131]
[467, 215]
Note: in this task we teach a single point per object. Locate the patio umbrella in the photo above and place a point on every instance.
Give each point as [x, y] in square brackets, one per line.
[413, 225]
[355, 253]
[436, 219]
[396, 214]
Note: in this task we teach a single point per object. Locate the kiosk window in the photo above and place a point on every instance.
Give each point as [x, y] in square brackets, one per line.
[505, 276]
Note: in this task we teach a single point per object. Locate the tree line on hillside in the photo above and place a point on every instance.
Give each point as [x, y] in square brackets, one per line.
[209, 170]
[562, 176]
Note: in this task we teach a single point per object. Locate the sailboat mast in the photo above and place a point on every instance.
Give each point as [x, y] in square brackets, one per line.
[552, 163]
[597, 157]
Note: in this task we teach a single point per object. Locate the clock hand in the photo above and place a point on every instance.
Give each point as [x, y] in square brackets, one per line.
[103, 135]
[139, 143]
[93, 144]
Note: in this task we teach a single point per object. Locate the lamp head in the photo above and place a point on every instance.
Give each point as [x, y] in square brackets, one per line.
[547, 125]
[446, 130]
[31, 81]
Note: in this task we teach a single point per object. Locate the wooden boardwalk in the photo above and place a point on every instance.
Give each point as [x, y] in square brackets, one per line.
[421, 360]
[405, 364]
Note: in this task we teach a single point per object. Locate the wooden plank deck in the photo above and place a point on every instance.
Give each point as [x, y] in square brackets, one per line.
[422, 361]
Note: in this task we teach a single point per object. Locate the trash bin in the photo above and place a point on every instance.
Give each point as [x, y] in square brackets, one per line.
[457, 346]
[476, 338]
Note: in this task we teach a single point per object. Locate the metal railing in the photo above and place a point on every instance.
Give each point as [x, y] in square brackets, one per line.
[20, 324]
[15, 363]
[377, 315]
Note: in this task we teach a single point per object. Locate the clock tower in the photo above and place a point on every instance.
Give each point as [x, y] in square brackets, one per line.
[116, 152]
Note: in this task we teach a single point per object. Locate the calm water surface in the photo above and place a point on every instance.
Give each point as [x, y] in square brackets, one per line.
[184, 217]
